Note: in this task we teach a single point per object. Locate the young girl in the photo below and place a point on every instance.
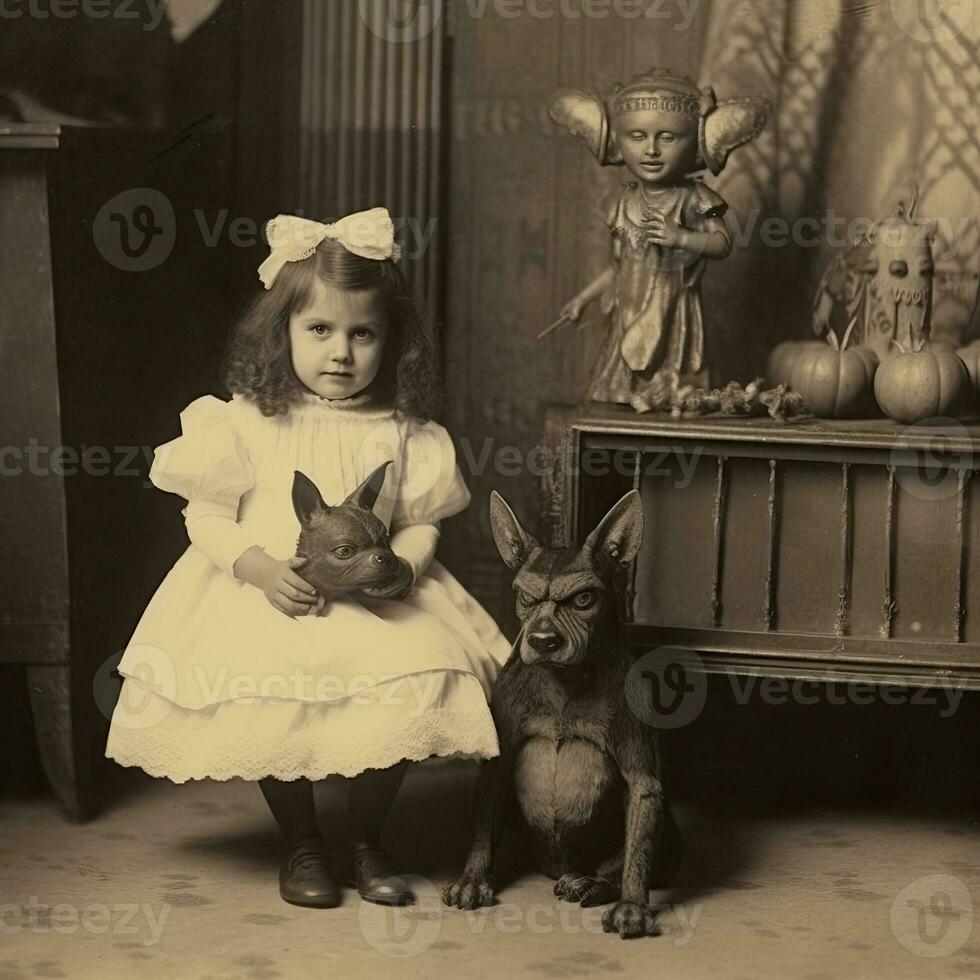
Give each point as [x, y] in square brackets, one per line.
[237, 668]
[664, 225]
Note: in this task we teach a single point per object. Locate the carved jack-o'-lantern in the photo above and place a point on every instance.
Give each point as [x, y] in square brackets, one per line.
[886, 280]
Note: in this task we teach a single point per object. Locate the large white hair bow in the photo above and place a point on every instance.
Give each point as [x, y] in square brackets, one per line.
[369, 234]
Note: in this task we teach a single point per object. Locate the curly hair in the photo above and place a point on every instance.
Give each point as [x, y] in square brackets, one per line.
[258, 359]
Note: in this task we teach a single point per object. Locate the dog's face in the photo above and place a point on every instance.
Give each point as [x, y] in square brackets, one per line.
[566, 596]
[347, 545]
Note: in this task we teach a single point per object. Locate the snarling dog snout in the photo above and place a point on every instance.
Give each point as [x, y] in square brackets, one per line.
[550, 633]
[566, 598]
[544, 643]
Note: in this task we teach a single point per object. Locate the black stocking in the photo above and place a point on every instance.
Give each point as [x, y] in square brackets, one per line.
[371, 795]
[291, 804]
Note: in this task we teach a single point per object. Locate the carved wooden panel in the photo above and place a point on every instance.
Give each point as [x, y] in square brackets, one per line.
[835, 546]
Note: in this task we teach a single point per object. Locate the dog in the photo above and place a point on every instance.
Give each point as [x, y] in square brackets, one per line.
[579, 771]
[347, 547]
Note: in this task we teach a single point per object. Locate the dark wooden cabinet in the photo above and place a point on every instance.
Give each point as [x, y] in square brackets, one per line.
[34, 592]
[800, 549]
[100, 353]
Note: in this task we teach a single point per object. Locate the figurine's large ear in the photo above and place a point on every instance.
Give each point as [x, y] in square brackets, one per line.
[367, 493]
[307, 501]
[513, 542]
[620, 533]
[583, 115]
[729, 126]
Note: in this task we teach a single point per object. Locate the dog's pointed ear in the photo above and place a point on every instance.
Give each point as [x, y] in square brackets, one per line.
[620, 533]
[366, 495]
[306, 498]
[513, 542]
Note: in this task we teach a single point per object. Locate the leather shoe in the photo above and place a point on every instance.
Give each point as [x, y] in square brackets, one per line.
[374, 879]
[304, 877]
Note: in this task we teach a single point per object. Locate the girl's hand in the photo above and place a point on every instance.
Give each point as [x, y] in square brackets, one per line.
[399, 588]
[664, 230]
[278, 580]
[318, 609]
[287, 591]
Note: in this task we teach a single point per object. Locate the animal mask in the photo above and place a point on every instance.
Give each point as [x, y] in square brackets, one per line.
[347, 545]
[566, 598]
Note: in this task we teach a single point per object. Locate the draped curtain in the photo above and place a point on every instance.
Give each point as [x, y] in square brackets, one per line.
[371, 120]
[871, 99]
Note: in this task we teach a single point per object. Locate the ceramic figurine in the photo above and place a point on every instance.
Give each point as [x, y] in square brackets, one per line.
[665, 225]
[885, 279]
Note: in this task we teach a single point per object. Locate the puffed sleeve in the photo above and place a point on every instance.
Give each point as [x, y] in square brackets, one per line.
[431, 486]
[706, 203]
[207, 460]
[209, 467]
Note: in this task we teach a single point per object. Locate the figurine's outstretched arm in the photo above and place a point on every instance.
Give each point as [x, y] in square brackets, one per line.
[572, 310]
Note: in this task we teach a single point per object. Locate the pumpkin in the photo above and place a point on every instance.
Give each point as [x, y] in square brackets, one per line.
[782, 360]
[836, 381]
[921, 383]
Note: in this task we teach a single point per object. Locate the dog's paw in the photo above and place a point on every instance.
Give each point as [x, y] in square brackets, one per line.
[471, 891]
[587, 891]
[630, 920]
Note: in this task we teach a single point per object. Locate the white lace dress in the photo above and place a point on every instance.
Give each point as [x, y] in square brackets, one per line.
[218, 683]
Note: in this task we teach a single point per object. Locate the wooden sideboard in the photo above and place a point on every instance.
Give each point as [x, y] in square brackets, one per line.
[802, 549]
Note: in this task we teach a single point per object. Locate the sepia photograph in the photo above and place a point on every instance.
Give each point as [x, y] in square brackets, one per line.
[489, 487]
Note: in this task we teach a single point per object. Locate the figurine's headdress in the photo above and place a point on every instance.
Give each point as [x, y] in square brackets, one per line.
[722, 127]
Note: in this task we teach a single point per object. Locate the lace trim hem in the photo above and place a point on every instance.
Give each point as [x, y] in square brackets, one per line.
[301, 754]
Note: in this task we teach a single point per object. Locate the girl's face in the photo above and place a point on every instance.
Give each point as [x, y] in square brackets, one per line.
[338, 341]
[657, 147]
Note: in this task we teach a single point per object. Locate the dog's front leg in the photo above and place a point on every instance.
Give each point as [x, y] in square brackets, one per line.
[474, 888]
[645, 808]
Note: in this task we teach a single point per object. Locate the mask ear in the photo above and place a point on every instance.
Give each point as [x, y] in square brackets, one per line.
[620, 533]
[513, 542]
[366, 494]
[307, 501]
